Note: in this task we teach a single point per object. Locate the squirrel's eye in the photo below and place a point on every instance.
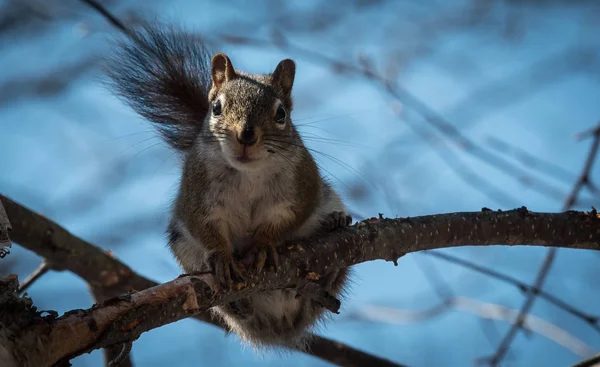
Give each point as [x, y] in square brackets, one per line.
[216, 108]
[280, 115]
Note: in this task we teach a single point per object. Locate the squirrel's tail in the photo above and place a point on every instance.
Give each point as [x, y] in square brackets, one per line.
[163, 73]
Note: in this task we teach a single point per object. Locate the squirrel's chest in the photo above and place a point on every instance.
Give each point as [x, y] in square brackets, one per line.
[243, 204]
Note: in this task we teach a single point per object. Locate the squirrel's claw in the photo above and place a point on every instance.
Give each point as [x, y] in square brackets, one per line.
[226, 270]
[337, 220]
[263, 255]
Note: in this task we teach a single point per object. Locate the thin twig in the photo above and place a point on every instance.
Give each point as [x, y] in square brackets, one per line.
[445, 292]
[35, 275]
[530, 160]
[589, 133]
[589, 319]
[584, 178]
[466, 174]
[518, 324]
[108, 15]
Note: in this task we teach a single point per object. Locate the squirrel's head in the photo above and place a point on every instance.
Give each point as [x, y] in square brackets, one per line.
[249, 114]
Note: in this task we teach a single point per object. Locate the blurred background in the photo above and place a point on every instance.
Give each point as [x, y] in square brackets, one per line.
[410, 107]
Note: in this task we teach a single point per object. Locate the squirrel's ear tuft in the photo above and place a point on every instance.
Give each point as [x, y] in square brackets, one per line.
[283, 76]
[221, 70]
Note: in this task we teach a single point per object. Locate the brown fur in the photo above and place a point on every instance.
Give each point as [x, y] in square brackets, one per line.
[237, 199]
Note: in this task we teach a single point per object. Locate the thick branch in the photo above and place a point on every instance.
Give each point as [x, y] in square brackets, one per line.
[125, 318]
[108, 277]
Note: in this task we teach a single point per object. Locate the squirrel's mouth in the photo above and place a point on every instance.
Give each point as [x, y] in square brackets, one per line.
[243, 157]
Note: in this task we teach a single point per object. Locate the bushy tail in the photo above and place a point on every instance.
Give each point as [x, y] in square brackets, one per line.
[163, 73]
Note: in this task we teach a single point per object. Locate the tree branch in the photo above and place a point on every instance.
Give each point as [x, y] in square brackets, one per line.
[35, 275]
[124, 318]
[108, 277]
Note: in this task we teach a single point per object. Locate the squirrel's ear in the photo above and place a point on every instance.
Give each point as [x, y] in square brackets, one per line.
[221, 70]
[284, 75]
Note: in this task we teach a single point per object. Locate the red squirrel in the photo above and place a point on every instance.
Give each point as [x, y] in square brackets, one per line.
[248, 182]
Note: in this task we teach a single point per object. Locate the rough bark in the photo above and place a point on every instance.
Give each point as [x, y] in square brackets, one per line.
[5, 229]
[108, 277]
[124, 318]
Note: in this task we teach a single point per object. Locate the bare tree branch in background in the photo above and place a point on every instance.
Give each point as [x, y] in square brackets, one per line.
[583, 180]
[49, 84]
[530, 161]
[447, 294]
[483, 310]
[592, 320]
[518, 325]
[501, 93]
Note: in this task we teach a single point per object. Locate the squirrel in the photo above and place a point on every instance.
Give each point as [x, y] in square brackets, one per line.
[248, 182]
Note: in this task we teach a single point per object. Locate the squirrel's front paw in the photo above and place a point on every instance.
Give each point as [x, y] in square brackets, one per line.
[336, 220]
[225, 269]
[259, 256]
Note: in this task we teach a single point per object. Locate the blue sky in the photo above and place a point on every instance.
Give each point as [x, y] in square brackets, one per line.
[82, 158]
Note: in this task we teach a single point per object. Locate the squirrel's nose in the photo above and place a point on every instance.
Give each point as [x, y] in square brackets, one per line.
[247, 137]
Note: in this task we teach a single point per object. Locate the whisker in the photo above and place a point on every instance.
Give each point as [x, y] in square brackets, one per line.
[324, 119]
[164, 160]
[129, 135]
[321, 168]
[334, 159]
[337, 142]
[283, 156]
[139, 142]
[143, 150]
[317, 128]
